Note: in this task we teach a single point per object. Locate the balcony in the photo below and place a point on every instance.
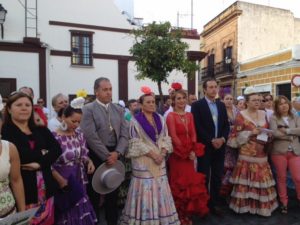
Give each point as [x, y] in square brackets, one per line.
[219, 70]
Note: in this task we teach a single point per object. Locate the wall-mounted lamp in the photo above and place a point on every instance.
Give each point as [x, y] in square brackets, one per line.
[3, 13]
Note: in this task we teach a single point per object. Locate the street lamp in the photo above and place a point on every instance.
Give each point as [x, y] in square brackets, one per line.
[3, 12]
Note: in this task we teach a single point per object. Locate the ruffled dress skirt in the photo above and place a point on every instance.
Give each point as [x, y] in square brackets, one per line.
[82, 213]
[149, 200]
[188, 189]
[253, 187]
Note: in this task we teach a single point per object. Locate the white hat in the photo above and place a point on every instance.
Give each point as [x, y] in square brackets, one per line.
[250, 90]
[239, 98]
[122, 103]
[108, 178]
[1, 103]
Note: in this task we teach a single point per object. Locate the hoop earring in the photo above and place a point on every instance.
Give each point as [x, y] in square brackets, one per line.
[63, 126]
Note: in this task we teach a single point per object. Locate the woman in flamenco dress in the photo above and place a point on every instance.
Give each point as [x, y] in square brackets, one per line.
[187, 186]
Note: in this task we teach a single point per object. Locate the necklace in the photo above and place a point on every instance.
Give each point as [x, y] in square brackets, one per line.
[181, 115]
[183, 119]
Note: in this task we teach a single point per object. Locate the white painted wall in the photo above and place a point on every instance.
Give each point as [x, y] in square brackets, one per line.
[22, 66]
[61, 76]
[67, 79]
[134, 85]
[297, 31]
[263, 29]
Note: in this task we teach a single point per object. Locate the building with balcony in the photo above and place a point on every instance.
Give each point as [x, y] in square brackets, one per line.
[242, 32]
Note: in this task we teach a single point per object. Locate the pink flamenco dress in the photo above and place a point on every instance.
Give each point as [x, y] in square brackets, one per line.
[187, 186]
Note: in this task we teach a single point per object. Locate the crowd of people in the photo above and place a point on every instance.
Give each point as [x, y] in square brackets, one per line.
[148, 165]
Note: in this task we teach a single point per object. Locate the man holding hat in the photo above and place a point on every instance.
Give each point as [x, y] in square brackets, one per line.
[106, 132]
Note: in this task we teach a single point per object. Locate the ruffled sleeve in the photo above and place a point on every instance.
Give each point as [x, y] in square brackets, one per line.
[172, 131]
[137, 146]
[238, 136]
[166, 141]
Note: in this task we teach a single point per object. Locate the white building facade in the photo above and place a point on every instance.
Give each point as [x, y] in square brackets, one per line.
[68, 45]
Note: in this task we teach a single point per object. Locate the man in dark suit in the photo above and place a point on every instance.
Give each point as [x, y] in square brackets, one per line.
[212, 128]
[106, 131]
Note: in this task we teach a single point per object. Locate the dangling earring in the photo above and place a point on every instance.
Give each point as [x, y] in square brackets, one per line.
[63, 126]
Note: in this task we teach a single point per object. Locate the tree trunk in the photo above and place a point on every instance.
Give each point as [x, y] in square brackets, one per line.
[161, 97]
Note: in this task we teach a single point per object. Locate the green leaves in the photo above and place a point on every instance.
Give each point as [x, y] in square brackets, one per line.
[158, 50]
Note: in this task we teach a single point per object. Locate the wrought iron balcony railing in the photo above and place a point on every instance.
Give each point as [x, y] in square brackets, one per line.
[219, 69]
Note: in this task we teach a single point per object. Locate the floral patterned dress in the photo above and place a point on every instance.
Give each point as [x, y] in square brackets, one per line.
[253, 183]
[72, 162]
[231, 155]
[149, 199]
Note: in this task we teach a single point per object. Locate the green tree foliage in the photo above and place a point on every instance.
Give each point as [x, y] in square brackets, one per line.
[158, 50]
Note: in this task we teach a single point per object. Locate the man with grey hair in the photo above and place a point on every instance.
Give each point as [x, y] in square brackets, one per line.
[27, 90]
[106, 131]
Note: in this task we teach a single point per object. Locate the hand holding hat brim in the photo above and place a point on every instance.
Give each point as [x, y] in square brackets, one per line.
[107, 178]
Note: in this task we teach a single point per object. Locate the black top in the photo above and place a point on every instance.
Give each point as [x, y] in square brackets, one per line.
[29, 148]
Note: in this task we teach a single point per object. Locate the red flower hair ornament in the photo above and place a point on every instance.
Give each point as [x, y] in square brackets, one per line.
[146, 90]
[176, 86]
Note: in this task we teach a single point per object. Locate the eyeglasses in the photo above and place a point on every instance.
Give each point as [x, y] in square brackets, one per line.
[255, 100]
[282, 126]
[40, 102]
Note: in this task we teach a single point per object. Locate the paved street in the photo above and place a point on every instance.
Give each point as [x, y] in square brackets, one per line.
[230, 218]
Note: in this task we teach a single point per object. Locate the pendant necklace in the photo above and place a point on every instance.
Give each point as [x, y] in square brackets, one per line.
[109, 121]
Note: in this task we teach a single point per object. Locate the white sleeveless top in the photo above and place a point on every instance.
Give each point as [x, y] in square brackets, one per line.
[4, 161]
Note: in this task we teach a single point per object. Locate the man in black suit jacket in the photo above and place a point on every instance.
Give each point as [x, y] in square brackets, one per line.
[212, 128]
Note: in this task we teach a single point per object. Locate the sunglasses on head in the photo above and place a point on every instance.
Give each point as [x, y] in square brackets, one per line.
[18, 92]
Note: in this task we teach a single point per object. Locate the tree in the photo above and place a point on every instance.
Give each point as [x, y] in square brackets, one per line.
[158, 50]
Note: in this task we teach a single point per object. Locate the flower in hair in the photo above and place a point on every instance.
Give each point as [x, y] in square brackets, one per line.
[81, 93]
[77, 103]
[176, 86]
[146, 90]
